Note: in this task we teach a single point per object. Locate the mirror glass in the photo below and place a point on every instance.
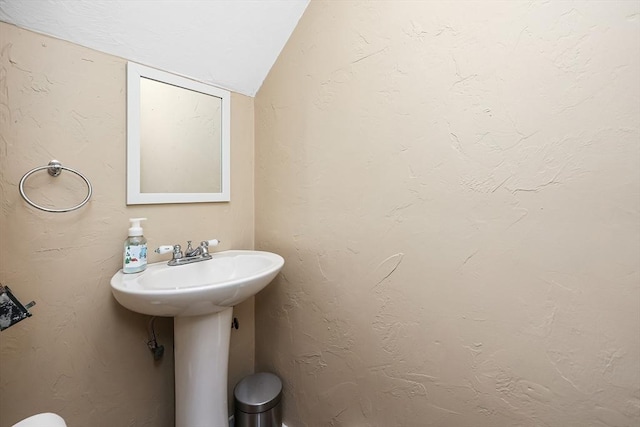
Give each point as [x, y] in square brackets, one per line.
[177, 139]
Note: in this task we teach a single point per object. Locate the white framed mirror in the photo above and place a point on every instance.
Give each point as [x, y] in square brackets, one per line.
[178, 139]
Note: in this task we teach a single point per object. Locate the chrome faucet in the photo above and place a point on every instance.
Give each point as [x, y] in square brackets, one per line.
[201, 253]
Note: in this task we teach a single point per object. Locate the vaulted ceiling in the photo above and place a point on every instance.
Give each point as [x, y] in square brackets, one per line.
[227, 43]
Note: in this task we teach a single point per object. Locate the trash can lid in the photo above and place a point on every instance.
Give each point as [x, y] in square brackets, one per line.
[258, 392]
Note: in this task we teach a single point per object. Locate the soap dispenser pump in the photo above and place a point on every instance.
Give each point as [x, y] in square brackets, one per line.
[135, 249]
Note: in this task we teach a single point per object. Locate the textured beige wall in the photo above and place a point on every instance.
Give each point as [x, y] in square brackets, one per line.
[455, 187]
[81, 354]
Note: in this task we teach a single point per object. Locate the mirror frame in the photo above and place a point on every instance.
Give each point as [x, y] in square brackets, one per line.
[134, 196]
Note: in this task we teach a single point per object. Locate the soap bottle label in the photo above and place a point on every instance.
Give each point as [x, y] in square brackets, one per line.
[135, 258]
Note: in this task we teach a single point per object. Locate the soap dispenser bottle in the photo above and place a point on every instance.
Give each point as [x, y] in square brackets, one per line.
[135, 249]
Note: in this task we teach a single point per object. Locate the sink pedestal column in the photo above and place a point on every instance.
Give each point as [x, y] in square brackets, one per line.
[201, 366]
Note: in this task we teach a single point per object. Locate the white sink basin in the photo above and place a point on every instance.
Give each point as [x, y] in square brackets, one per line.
[196, 289]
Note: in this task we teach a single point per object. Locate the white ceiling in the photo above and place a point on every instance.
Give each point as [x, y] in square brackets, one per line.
[226, 43]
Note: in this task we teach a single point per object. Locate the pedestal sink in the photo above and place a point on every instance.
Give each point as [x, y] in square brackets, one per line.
[200, 297]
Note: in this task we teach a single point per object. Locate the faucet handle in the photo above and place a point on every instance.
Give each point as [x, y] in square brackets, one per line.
[204, 245]
[212, 242]
[164, 249]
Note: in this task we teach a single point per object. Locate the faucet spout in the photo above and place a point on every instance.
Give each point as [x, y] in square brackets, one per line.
[190, 252]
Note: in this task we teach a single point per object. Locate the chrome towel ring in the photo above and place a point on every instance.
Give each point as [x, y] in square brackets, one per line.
[55, 168]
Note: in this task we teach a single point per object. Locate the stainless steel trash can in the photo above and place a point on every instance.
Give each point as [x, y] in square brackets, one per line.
[257, 401]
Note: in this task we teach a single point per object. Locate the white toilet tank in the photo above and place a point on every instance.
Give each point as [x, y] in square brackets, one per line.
[47, 419]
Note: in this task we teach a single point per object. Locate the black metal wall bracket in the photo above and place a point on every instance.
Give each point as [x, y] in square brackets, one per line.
[11, 309]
